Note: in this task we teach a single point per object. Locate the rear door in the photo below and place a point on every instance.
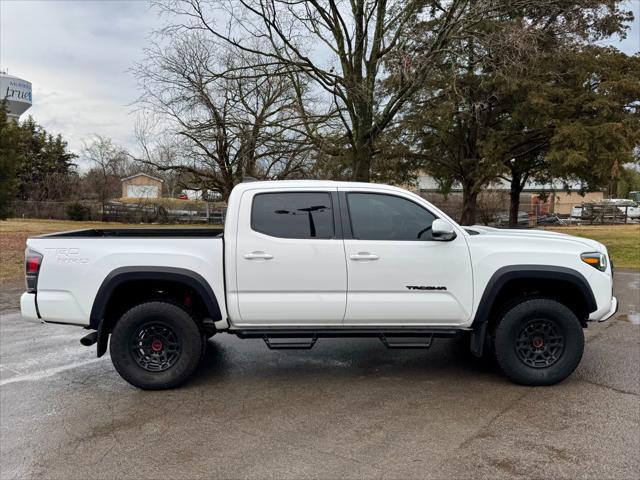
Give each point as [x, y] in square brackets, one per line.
[290, 260]
[397, 272]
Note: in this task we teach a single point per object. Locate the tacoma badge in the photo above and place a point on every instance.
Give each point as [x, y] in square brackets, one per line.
[425, 287]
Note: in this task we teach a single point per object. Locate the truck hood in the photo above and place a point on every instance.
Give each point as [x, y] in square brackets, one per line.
[538, 235]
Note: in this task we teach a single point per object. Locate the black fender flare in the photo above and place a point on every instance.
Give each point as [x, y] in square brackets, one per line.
[125, 274]
[520, 272]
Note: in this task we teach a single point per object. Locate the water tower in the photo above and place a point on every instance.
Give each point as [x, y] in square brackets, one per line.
[17, 92]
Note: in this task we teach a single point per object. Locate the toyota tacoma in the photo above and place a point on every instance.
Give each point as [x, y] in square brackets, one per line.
[302, 260]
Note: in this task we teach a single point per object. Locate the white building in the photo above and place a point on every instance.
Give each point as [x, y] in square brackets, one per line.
[141, 185]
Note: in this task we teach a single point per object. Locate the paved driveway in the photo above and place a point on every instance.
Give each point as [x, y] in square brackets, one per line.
[348, 408]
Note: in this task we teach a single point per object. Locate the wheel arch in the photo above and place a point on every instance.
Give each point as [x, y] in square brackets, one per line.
[515, 276]
[122, 277]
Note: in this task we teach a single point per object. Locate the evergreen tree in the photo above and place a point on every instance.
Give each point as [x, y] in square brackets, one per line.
[529, 97]
[9, 160]
[43, 156]
[574, 116]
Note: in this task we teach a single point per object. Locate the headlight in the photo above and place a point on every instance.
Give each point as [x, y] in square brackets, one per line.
[595, 259]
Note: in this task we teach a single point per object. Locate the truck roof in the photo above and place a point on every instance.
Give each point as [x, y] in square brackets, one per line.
[310, 184]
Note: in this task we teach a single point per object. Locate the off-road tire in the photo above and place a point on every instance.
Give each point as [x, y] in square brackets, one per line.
[538, 342]
[187, 345]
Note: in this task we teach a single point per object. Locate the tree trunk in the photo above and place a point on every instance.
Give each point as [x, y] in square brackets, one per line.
[469, 205]
[514, 194]
[362, 162]
[249, 160]
[229, 178]
[225, 192]
[612, 189]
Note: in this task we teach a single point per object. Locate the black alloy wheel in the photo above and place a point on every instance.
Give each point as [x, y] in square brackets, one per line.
[540, 343]
[155, 347]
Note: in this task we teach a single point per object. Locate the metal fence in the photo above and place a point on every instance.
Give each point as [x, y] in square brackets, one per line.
[142, 212]
[53, 210]
[149, 212]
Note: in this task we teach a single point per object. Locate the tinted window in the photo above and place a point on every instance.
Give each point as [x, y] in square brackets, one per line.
[386, 217]
[293, 215]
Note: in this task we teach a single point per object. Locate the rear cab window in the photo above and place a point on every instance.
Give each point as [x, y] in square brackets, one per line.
[301, 215]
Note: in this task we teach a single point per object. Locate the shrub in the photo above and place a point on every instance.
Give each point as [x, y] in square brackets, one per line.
[78, 212]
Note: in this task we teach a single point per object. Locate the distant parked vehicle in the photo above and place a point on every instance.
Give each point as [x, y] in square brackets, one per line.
[627, 206]
[502, 219]
[615, 210]
[576, 212]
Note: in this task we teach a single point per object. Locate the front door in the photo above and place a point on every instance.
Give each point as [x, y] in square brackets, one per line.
[290, 259]
[397, 272]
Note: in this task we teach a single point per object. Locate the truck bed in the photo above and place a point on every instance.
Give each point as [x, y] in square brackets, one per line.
[75, 264]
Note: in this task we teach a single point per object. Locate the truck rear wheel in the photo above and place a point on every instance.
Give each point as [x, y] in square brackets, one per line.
[538, 342]
[156, 345]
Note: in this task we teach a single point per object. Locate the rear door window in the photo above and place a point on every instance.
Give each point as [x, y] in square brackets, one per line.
[293, 215]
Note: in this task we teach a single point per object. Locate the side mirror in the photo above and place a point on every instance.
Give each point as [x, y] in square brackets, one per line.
[442, 230]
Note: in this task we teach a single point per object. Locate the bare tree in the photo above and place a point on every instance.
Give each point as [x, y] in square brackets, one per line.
[158, 153]
[227, 127]
[359, 54]
[108, 163]
[61, 186]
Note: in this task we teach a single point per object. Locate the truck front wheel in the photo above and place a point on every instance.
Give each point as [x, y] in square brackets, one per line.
[538, 342]
[156, 345]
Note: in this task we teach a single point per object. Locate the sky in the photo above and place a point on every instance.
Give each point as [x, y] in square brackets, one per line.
[77, 54]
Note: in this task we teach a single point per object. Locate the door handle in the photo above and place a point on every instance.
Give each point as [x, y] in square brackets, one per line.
[363, 256]
[258, 256]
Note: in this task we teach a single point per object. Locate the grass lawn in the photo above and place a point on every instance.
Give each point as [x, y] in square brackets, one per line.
[14, 233]
[622, 241]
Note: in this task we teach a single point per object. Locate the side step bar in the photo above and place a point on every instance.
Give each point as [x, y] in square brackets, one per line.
[290, 343]
[283, 338]
[406, 342]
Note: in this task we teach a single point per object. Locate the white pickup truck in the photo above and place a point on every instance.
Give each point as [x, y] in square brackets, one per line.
[302, 260]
